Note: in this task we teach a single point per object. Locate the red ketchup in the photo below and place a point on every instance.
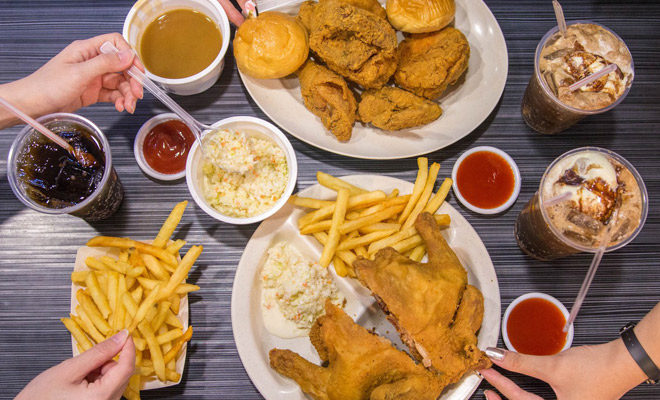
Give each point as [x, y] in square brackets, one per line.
[166, 146]
[485, 179]
[535, 327]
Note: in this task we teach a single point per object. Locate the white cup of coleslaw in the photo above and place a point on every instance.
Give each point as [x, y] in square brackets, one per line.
[253, 127]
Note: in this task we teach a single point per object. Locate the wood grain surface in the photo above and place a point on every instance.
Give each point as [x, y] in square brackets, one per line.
[37, 251]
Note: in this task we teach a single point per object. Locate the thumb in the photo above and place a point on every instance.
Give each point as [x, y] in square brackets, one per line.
[106, 63]
[534, 366]
[79, 367]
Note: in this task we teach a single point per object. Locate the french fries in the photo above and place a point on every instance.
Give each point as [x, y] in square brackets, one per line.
[360, 222]
[139, 290]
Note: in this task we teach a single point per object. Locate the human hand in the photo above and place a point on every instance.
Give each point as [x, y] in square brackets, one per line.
[91, 375]
[234, 15]
[586, 372]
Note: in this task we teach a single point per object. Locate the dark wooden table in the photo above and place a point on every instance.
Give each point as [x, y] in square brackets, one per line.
[37, 251]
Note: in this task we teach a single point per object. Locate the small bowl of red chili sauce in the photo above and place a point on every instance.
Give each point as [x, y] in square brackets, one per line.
[486, 180]
[533, 324]
[162, 145]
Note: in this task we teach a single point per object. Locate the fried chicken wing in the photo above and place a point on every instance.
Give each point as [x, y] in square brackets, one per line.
[393, 109]
[327, 96]
[429, 62]
[353, 42]
[431, 305]
[360, 365]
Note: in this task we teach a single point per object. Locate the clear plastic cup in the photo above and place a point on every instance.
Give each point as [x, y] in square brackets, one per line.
[542, 234]
[542, 110]
[100, 204]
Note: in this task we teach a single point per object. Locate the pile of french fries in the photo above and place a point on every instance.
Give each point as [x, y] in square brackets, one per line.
[360, 222]
[141, 291]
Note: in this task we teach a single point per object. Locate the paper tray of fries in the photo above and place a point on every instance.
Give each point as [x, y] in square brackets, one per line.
[96, 252]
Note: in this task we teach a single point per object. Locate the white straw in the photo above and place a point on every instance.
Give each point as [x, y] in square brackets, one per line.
[593, 77]
[559, 14]
[557, 199]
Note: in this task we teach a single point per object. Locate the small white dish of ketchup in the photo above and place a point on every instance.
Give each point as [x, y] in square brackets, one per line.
[533, 324]
[162, 145]
[486, 180]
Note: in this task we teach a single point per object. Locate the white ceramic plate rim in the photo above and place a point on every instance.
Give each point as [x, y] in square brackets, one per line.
[253, 341]
[516, 177]
[535, 295]
[465, 105]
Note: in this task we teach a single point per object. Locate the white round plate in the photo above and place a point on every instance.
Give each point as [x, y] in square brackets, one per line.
[465, 105]
[254, 342]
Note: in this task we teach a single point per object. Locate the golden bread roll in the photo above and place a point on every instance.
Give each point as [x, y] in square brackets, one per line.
[271, 46]
[418, 16]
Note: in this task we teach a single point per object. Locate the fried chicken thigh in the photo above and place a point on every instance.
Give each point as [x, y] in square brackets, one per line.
[431, 305]
[393, 109]
[429, 62]
[360, 365]
[327, 96]
[353, 42]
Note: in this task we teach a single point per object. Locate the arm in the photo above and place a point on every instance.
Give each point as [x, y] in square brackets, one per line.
[77, 77]
[602, 371]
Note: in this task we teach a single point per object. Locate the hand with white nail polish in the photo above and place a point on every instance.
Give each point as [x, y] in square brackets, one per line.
[78, 76]
[91, 375]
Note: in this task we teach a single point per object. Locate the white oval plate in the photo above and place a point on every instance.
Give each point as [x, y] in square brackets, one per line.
[254, 342]
[465, 105]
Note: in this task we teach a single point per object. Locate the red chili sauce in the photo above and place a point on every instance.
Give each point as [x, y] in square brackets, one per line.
[166, 146]
[485, 179]
[535, 327]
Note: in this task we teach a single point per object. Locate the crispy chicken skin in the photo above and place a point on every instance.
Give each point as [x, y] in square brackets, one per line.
[360, 365]
[429, 62]
[431, 305]
[305, 14]
[353, 42]
[393, 109]
[327, 96]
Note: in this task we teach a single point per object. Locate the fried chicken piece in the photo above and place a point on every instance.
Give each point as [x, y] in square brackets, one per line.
[393, 109]
[429, 62]
[353, 42]
[305, 14]
[360, 364]
[431, 305]
[327, 96]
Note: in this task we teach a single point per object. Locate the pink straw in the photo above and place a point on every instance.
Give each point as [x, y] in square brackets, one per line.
[593, 77]
[559, 14]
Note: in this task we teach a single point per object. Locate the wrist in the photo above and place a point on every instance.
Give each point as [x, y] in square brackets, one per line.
[629, 373]
[22, 96]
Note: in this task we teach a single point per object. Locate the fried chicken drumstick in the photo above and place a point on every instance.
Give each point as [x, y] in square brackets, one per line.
[431, 305]
[361, 365]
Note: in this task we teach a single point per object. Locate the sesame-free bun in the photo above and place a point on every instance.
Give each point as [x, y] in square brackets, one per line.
[271, 46]
[419, 16]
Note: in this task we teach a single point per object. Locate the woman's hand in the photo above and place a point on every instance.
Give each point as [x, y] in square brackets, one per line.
[234, 15]
[605, 371]
[91, 375]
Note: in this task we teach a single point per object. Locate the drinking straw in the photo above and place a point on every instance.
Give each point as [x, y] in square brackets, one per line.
[593, 77]
[592, 272]
[557, 199]
[559, 14]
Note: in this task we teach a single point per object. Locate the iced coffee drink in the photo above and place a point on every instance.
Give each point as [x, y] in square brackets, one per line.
[602, 197]
[549, 106]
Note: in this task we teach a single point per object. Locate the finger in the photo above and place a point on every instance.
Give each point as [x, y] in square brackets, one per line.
[505, 385]
[111, 81]
[232, 13]
[491, 395]
[79, 367]
[534, 366]
[129, 99]
[110, 96]
[119, 104]
[107, 367]
[105, 63]
[119, 374]
[241, 3]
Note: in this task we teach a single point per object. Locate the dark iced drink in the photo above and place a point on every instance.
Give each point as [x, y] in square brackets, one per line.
[548, 105]
[47, 178]
[604, 198]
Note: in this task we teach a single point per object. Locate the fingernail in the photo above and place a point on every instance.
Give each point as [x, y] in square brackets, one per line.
[495, 354]
[125, 55]
[486, 393]
[120, 337]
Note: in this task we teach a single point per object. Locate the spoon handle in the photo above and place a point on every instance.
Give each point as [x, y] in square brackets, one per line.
[195, 125]
[36, 125]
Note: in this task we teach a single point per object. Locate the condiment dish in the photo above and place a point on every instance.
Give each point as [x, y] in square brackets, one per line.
[535, 295]
[253, 127]
[138, 148]
[516, 180]
[144, 12]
